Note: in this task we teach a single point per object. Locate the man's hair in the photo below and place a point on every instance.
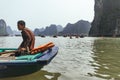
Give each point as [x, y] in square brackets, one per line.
[21, 22]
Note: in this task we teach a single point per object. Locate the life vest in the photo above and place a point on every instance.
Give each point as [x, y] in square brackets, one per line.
[42, 48]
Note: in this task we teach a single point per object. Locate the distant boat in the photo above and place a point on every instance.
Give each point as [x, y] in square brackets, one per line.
[64, 35]
[82, 36]
[55, 36]
[70, 37]
[42, 36]
[18, 35]
[3, 35]
[77, 36]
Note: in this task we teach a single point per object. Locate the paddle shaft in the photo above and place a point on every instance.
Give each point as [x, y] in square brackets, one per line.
[8, 52]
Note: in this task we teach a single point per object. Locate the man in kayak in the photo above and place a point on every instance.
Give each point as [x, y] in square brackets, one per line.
[28, 38]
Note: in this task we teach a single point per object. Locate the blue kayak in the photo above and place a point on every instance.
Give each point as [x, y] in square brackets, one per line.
[26, 64]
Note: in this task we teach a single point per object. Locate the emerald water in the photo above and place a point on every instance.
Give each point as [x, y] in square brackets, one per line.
[107, 58]
[78, 59]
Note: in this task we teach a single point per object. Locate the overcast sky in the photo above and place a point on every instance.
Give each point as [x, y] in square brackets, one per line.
[42, 13]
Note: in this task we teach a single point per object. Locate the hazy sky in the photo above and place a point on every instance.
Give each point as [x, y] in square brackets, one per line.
[42, 13]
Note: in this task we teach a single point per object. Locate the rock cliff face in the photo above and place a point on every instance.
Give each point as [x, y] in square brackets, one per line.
[9, 31]
[59, 28]
[36, 32]
[49, 30]
[80, 27]
[3, 26]
[107, 18]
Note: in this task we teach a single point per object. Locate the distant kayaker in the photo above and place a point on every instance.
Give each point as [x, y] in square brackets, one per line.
[28, 38]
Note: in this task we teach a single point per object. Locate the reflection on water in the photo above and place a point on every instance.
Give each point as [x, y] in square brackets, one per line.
[107, 58]
[41, 75]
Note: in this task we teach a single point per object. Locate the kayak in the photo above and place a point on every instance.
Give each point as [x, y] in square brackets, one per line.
[25, 64]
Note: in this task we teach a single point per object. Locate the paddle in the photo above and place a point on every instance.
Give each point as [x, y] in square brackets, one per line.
[14, 51]
[8, 52]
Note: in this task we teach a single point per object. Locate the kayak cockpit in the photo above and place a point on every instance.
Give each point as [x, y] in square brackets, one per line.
[41, 56]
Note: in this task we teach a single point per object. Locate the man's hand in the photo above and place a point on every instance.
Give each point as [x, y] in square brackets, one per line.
[21, 49]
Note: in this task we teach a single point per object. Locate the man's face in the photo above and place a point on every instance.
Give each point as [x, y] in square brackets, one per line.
[20, 27]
